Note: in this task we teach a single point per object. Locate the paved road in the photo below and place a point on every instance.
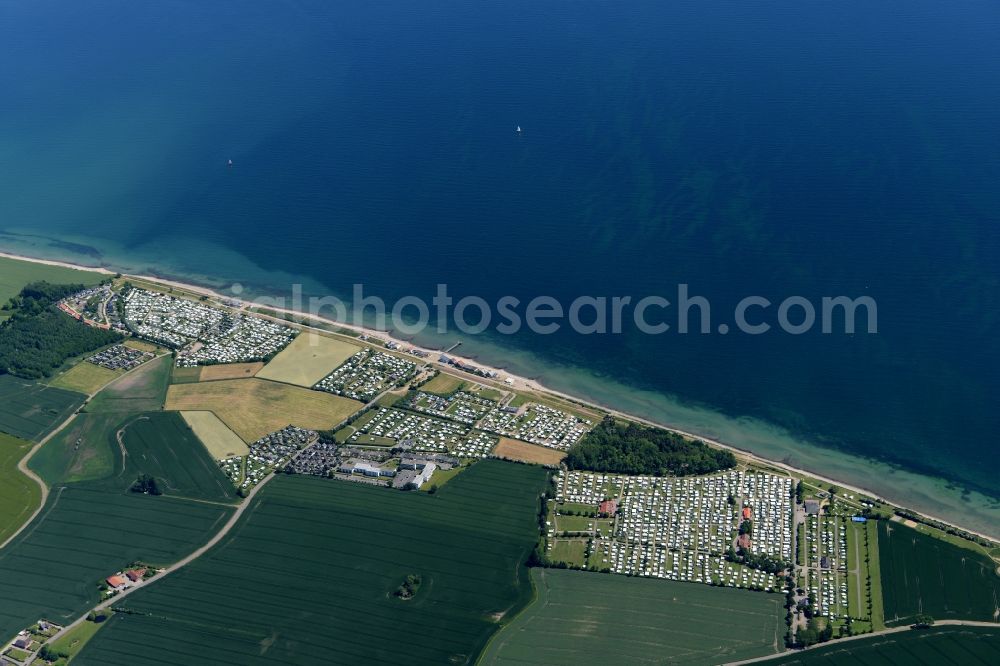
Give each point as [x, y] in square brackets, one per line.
[166, 571]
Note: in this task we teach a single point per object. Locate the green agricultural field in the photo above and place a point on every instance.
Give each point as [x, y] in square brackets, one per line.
[162, 445]
[84, 378]
[14, 274]
[921, 574]
[308, 576]
[583, 618]
[142, 390]
[19, 495]
[937, 646]
[81, 451]
[309, 358]
[30, 410]
[88, 530]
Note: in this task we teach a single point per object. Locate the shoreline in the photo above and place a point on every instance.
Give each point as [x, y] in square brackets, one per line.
[519, 382]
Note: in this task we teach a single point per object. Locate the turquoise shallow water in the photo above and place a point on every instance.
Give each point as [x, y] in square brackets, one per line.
[740, 147]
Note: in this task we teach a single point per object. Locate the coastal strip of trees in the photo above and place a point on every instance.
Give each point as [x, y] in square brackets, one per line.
[37, 338]
[629, 448]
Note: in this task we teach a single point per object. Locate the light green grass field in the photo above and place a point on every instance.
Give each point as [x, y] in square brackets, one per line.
[570, 551]
[80, 451]
[19, 495]
[85, 378]
[143, 389]
[589, 618]
[309, 358]
[443, 384]
[77, 637]
[220, 441]
[875, 572]
[15, 274]
[574, 523]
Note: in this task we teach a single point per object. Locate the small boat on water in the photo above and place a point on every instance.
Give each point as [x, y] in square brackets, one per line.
[518, 130]
[230, 163]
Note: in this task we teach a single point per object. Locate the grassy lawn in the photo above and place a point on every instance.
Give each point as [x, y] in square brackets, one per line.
[800, 542]
[19, 495]
[489, 393]
[77, 637]
[443, 476]
[557, 403]
[220, 441]
[309, 358]
[570, 551]
[584, 618]
[341, 435]
[373, 440]
[85, 378]
[574, 523]
[875, 572]
[253, 408]
[19, 655]
[857, 599]
[444, 384]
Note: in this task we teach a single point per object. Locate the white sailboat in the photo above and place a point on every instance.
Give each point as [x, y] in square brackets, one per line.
[518, 130]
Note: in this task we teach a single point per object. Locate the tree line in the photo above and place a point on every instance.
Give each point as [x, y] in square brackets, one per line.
[37, 339]
[630, 448]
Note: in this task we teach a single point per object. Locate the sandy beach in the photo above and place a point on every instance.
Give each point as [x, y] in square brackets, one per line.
[518, 381]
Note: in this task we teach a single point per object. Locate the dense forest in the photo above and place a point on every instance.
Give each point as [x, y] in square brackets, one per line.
[37, 338]
[629, 448]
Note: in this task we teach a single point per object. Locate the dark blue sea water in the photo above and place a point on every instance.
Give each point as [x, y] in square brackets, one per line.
[742, 147]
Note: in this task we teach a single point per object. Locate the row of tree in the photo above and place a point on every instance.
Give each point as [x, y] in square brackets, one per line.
[630, 448]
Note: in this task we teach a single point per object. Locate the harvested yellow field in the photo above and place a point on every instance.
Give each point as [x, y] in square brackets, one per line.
[513, 449]
[85, 377]
[220, 441]
[211, 373]
[253, 408]
[309, 358]
[141, 345]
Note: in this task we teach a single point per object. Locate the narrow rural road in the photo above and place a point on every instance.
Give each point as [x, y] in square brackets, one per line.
[166, 571]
